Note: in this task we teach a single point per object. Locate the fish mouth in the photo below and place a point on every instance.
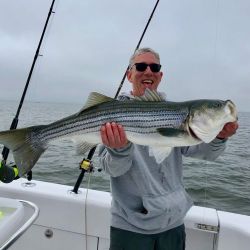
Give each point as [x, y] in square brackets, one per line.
[232, 109]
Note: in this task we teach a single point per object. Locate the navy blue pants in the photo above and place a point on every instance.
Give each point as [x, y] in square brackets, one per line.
[173, 239]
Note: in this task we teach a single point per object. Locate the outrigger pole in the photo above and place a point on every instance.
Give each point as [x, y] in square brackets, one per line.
[86, 165]
[8, 173]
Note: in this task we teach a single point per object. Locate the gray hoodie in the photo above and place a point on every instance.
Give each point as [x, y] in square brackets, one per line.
[148, 197]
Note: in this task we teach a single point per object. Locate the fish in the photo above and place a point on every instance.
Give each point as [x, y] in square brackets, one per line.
[147, 120]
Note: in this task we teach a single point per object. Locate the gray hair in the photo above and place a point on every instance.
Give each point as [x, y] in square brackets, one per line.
[142, 51]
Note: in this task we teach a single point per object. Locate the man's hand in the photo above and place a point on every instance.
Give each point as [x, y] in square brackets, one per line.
[113, 135]
[228, 130]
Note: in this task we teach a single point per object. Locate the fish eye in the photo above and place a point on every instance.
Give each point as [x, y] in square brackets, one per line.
[216, 105]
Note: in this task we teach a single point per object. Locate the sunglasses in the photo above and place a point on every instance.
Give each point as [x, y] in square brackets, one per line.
[154, 67]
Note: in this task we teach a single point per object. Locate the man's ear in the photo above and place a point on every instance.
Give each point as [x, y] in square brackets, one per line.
[129, 73]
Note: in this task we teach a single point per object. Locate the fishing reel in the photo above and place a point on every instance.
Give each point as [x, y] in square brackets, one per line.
[9, 172]
[86, 165]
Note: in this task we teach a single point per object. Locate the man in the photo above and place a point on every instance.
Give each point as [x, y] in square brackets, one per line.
[149, 200]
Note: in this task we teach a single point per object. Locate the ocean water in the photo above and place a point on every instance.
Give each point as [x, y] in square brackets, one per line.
[223, 184]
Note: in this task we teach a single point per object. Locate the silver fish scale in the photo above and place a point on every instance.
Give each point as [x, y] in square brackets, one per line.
[140, 117]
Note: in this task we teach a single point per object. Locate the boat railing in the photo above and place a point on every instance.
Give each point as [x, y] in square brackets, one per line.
[24, 227]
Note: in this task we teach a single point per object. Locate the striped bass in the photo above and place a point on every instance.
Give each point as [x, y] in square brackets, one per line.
[147, 120]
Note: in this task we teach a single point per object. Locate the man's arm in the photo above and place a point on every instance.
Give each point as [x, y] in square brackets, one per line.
[210, 151]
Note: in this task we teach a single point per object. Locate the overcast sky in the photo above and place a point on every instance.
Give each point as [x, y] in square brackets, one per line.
[204, 47]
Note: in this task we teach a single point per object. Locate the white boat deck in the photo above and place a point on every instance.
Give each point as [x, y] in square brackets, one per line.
[81, 221]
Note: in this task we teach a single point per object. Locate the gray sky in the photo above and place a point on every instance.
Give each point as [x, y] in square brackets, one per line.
[204, 47]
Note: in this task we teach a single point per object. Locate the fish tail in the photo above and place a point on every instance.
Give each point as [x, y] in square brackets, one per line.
[25, 146]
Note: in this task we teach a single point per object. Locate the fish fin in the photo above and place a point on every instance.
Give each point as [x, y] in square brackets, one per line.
[94, 99]
[82, 147]
[170, 132]
[150, 96]
[25, 146]
[160, 153]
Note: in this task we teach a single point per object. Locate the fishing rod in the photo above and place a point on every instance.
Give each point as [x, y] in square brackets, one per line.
[86, 164]
[9, 173]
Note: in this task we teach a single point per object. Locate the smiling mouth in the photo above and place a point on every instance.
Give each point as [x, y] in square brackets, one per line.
[148, 82]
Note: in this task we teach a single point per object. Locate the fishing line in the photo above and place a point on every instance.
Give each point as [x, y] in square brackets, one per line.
[214, 72]
[137, 46]
[11, 173]
[205, 203]
[49, 27]
[37, 70]
[85, 210]
[15, 120]
[92, 151]
[216, 29]
[205, 191]
[215, 41]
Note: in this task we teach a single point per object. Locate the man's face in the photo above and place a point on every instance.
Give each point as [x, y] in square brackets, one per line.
[145, 79]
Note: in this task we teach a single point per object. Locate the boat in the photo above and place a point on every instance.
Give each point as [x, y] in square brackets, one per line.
[69, 220]
[41, 215]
